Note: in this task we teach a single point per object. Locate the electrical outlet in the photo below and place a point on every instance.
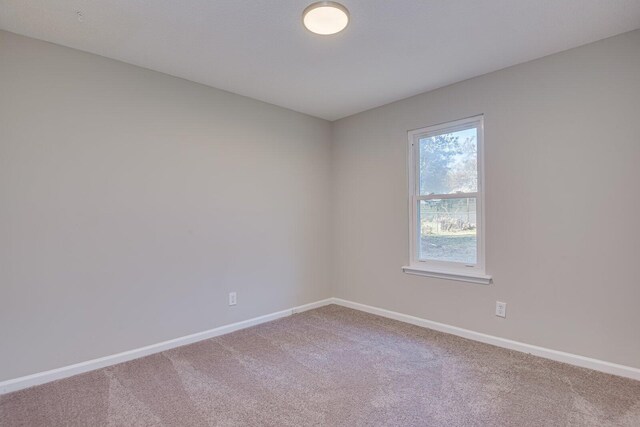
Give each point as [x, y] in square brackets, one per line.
[501, 309]
[233, 299]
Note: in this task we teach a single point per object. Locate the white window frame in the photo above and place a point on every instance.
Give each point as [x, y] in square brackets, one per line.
[446, 269]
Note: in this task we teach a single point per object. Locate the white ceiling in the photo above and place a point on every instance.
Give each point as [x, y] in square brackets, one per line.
[392, 49]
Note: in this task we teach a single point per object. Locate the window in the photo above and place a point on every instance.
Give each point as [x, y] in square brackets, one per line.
[446, 199]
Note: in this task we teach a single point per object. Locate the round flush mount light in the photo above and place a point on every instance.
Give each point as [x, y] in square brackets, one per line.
[325, 17]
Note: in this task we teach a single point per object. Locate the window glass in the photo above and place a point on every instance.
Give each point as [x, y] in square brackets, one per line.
[448, 230]
[448, 163]
[445, 162]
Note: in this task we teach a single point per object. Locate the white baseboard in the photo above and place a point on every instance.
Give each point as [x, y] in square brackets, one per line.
[558, 356]
[20, 383]
[102, 362]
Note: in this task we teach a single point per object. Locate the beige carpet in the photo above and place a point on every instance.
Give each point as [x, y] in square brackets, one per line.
[331, 367]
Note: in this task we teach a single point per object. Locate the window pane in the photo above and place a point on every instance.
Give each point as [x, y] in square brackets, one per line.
[449, 163]
[448, 230]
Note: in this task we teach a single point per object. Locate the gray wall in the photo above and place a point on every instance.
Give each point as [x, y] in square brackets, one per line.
[562, 145]
[132, 202]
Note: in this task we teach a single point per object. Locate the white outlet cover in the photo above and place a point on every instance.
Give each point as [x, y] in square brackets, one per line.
[501, 309]
[233, 298]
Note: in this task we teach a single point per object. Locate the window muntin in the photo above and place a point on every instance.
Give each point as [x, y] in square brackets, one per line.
[446, 196]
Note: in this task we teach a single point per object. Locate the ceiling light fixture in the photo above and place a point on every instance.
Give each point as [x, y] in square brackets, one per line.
[325, 17]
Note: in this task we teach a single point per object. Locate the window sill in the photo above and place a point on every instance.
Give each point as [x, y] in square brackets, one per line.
[460, 276]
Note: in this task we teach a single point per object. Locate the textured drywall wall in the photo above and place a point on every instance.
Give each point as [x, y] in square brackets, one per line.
[562, 149]
[132, 202]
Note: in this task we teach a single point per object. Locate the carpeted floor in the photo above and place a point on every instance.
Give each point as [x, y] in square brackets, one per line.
[331, 367]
